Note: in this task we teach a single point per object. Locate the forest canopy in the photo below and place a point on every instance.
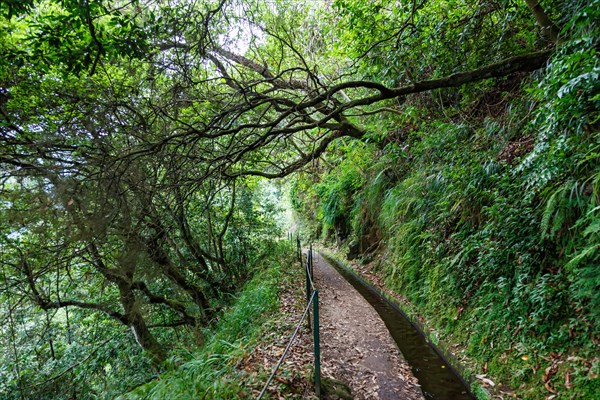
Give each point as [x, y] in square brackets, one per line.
[135, 136]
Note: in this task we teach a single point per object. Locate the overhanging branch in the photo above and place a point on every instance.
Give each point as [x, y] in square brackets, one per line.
[522, 63]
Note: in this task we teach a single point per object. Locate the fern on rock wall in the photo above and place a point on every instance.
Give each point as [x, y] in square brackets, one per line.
[491, 225]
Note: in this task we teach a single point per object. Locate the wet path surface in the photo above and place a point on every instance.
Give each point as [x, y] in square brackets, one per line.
[356, 346]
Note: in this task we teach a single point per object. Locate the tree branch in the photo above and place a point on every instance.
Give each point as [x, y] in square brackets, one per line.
[549, 29]
[522, 63]
[46, 305]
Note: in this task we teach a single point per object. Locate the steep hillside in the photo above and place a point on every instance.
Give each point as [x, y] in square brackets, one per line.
[482, 207]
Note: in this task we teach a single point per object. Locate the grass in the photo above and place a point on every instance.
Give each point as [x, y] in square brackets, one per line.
[498, 254]
[212, 372]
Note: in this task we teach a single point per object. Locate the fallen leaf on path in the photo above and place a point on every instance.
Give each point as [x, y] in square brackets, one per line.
[568, 383]
[549, 388]
[488, 382]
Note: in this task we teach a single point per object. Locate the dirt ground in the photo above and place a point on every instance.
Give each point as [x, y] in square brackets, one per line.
[356, 347]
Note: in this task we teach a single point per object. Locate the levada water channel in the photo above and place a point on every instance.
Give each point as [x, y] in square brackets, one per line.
[438, 379]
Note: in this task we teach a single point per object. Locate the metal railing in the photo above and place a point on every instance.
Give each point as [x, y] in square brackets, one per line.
[312, 299]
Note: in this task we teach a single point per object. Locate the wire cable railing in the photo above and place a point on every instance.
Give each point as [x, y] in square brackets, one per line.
[312, 299]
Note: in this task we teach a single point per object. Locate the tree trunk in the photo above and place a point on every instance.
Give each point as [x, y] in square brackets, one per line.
[161, 258]
[548, 28]
[138, 326]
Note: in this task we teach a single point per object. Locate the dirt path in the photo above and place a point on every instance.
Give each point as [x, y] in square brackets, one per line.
[356, 346]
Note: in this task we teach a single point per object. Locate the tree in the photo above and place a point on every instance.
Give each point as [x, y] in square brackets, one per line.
[132, 133]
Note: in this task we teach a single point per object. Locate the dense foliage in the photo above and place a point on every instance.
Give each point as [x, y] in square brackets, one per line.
[135, 136]
[212, 373]
[118, 245]
[484, 204]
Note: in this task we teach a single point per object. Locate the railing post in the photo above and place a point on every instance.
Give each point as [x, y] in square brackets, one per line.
[310, 263]
[317, 344]
[308, 294]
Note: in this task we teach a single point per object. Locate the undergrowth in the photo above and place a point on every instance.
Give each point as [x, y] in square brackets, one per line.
[491, 225]
[211, 372]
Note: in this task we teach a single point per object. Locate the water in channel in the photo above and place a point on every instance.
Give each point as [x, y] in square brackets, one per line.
[438, 380]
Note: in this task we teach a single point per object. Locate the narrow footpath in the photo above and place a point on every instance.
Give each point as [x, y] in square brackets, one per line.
[356, 347]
